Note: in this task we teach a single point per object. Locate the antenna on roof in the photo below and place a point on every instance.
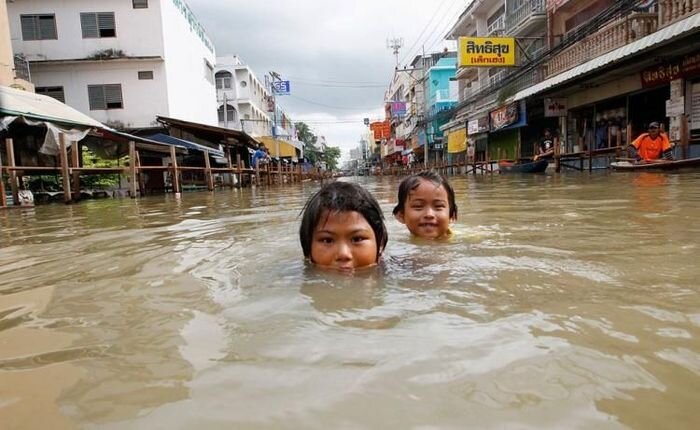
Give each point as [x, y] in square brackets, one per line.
[395, 44]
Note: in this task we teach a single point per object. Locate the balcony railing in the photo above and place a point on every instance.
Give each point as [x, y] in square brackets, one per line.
[497, 27]
[614, 35]
[524, 12]
[673, 10]
[22, 68]
[442, 96]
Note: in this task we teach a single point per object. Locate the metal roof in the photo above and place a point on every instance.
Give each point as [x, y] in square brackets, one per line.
[687, 25]
[169, 140]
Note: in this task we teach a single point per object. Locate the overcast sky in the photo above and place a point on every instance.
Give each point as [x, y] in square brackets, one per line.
[333, 52]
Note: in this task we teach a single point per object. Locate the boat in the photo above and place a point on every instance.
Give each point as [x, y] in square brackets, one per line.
[537, 166]
[656, 165]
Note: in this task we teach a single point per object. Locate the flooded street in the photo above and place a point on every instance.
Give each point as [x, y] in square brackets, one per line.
[565, 301]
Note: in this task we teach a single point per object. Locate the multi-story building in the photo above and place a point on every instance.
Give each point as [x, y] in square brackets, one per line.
[441, 92]
[244, 101]
[120, 62]
[595, 73]
[14, 69]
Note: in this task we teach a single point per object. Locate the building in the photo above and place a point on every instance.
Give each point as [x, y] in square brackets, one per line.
[14, 69]
[121, 62]
[244, 101]
[441, 92]
[596, 73]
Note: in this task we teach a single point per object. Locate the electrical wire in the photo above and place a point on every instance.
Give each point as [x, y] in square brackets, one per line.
[439, 35]
[415, 42]
[311, 84]
[329, 106]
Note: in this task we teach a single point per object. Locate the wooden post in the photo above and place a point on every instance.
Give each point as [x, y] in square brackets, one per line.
[240, 170]
[590, 158]
[176, 173]
[65, 170]
[268, 172]
[257, 172]
[279, 170]
[3, 198]
[139, 175]
[75, 163]
[207, 171]
[685, 138]
[132, 169]
[230, 166]
[9, 144]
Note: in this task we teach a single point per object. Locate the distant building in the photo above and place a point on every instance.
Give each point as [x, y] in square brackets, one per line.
[120, 62]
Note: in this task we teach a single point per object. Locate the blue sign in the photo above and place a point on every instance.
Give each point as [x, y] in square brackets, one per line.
[281, 88]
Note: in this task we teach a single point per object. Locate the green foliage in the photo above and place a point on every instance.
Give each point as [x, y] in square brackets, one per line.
[331, 157]
[100, 181]
[311, 151]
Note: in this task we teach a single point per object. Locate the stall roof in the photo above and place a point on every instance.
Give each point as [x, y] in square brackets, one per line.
[169, 140]
[684, 27]
[20, 103]
[241, 136]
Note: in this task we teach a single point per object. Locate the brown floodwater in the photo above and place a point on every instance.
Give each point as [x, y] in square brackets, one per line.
[567, 301]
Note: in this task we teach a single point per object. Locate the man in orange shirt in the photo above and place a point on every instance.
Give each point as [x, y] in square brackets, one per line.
[652, 145]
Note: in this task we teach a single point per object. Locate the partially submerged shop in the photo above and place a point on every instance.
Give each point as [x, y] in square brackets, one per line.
[505, 124]
[605, 103]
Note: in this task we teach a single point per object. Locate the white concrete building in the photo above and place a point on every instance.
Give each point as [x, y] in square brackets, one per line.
[244, 102]
[121, 62]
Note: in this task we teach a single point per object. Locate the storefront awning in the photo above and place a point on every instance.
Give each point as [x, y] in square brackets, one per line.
[684, 27]
[169, 140]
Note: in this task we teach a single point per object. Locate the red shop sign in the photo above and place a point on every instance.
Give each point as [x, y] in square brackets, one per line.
[665, 73]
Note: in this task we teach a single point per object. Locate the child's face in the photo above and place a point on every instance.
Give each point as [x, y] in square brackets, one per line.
[426, 212]
[343, 241]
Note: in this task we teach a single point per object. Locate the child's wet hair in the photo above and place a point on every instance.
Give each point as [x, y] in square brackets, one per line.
[412, 182]
[342, 197]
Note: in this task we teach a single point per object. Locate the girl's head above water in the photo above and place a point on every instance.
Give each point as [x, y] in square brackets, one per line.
[343, 227]
[426, 205]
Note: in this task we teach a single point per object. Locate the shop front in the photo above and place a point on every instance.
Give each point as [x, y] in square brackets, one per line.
[478, 138]
[457, 144]
[504, 139]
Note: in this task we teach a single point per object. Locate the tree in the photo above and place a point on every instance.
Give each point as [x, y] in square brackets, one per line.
[305, 134]
[331, 156]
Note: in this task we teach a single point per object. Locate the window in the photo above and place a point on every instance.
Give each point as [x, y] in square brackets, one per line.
[103, 97]
[38, 27]
[55, 92]
[98, 24]
[223, 80]
[148, 74]
[208, 72]
[230, 114]
[140, 4]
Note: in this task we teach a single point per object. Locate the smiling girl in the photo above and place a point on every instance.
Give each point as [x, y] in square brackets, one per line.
[426, 205]
[343, 228]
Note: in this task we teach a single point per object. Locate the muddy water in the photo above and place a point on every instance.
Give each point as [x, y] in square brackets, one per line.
[562, 302]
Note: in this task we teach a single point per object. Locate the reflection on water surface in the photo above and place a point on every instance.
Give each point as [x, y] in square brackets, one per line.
[562, 302]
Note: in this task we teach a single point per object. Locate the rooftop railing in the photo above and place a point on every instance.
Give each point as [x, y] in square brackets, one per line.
[525, 11]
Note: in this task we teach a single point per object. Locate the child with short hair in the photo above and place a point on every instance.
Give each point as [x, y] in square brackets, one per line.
[426, 205]
[342, 228]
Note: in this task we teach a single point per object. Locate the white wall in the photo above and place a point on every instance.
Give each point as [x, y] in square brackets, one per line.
[191, 96]
[138, 30]
[142, 99]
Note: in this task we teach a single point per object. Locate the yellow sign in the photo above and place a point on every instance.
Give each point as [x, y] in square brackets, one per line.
[457, 141]
[486, 51]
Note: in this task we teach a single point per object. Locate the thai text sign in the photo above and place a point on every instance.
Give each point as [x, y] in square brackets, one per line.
[398, 109]
[381, 129]
[665, 73]
[486, 51]
[476, 126]
[504, 116]
[555, 107]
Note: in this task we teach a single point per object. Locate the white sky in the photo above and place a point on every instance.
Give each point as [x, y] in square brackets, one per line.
[333, 52]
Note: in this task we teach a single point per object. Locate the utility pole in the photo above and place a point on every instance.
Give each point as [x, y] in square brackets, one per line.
[395, 44]
[426, 145]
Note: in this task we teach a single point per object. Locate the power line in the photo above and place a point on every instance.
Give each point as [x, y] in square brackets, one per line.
[415, 43]
[439, 35]
[329, 106]
[324, 81]
[311, 84]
